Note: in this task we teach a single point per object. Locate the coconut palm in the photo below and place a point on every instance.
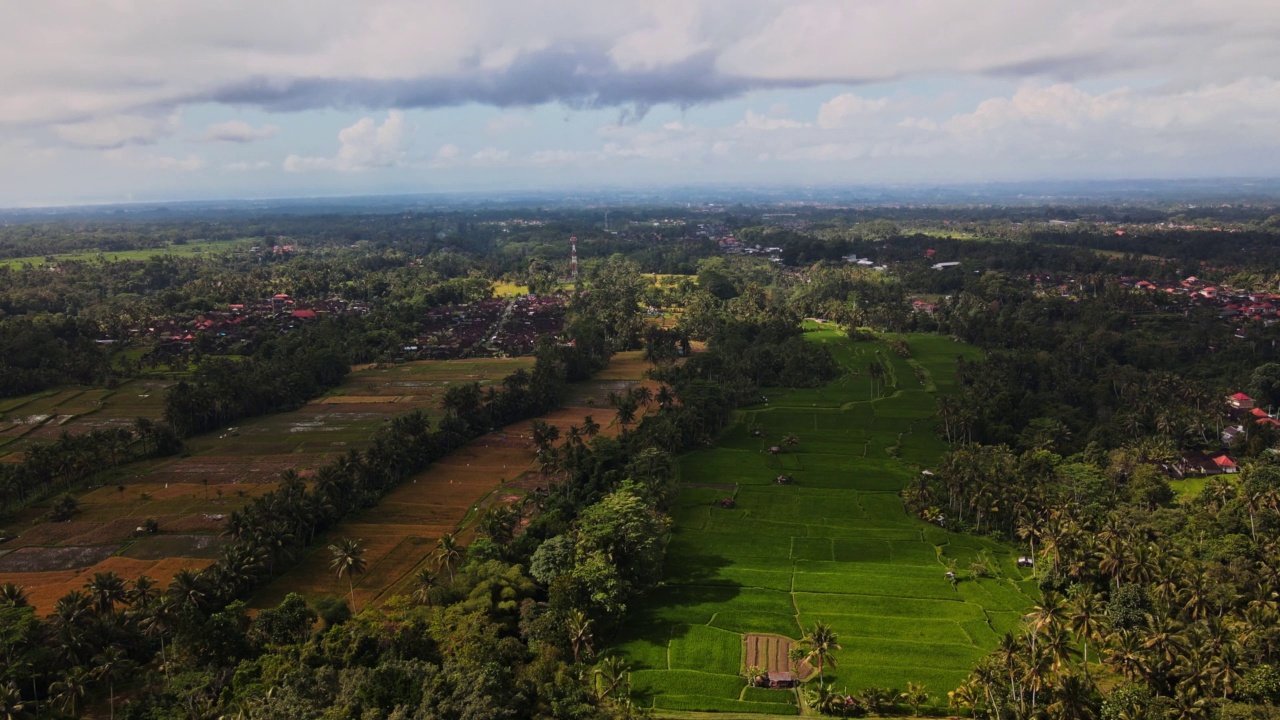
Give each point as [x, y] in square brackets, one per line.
[1084, 614]
[915, 696]
[1072, 699]
[13, 596]
[69, 692]
[824, 699]
[348, 559]
[448, 553]
[187, 589]
[822, 642]
[106, 589]
[423, 583]
[143, 592]
[590, 427]
[580, 634]
[12, 706]
[110, 665]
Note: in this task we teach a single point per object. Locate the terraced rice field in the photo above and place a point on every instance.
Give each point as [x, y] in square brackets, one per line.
[836, 546]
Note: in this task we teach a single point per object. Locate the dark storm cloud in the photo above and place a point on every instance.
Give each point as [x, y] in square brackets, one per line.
[577, 77]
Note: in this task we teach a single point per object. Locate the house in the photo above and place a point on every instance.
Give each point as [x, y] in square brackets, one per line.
[1240, 401]
[1231, 433]
[945, 265]
[304, 314]
[1227, 464]
[1195, 464]
[779, 679]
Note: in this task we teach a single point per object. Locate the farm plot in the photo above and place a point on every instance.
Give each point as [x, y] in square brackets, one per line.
[190, 496]
[401, 532]
[832, 544]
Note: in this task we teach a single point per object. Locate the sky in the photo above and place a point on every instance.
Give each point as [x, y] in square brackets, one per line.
[144, 100]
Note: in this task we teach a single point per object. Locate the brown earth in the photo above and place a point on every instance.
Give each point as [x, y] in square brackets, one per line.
[769, 653]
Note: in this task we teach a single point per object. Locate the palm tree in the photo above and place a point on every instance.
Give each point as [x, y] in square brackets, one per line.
[423, 583]
[590, 427]
[187, 589]
[448, 553]
[69, 692]
[1072, 699]
[824, 699]
[642, 394]
[664, 397]
[111, 665]
[107, 589]
[158, 623]
[579, 627]
[12, 706]
[612, 676]
[143, 592]
[13, 596]
[348, 559]
[915, 696]
[1085, 616]
[822, 642]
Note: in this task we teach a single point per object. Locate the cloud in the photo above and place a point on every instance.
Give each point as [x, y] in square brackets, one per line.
[117, 131]
[246, 166]
[63, 67]
[841, 109]
[236, 131]
[365, 145]
[151, 161]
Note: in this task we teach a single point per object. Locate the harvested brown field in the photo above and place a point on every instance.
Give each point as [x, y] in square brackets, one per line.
[47, 559]
[769, 653]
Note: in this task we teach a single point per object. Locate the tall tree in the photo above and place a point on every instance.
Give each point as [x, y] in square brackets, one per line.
[347, 559]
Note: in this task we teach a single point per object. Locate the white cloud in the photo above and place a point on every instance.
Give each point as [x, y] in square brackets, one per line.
[842, 109]
[118, 131]
[246, 166]
[490, 156]
[237, 131]
[151, 161]
[65, 62]
[756, 121]
[365, 145]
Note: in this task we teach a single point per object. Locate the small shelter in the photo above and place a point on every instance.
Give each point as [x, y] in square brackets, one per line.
[781, 680]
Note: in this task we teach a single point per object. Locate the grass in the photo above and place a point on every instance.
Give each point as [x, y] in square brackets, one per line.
[837, 545]
[185, 250]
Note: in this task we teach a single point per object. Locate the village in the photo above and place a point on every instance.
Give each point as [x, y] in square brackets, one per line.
[494, 327]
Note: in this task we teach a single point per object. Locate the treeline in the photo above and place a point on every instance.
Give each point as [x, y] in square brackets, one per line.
[48, 350]
[1107, 367]
[222, 391]
[1151, 607]
[56, 467]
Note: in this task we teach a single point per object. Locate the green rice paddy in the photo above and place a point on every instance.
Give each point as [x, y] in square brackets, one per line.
[837, 545]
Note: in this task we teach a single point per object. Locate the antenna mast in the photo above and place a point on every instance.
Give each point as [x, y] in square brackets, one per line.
[573, 257]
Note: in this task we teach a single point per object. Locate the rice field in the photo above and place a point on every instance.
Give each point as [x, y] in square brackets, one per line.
[836, 545]
[190, 495]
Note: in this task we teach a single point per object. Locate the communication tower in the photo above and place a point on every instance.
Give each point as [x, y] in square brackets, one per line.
[573, 257]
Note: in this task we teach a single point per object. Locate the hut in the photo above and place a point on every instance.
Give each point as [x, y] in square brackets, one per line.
[779, 679]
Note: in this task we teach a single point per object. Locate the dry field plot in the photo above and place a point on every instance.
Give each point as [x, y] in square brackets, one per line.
[769, 653]
[190, 496]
